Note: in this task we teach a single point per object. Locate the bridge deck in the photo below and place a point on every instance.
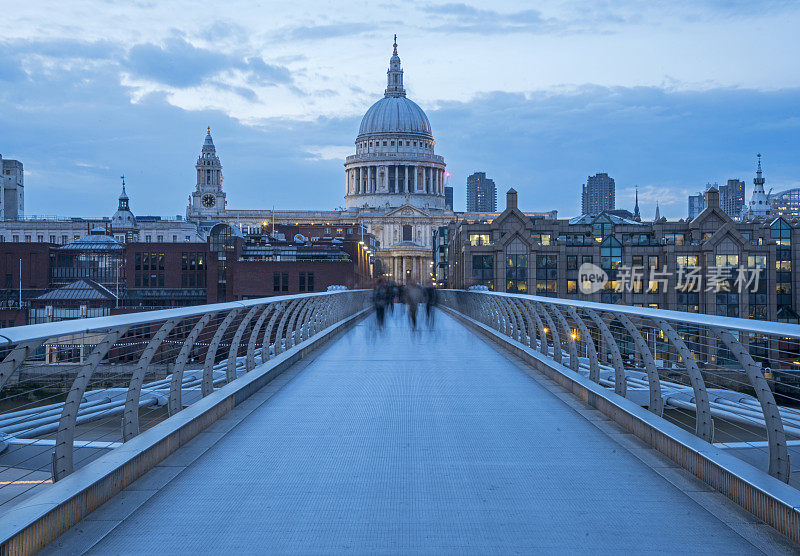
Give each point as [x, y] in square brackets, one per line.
[415, 442]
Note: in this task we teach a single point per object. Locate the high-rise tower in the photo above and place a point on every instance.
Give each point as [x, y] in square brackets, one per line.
[598, 194]
[481, 193]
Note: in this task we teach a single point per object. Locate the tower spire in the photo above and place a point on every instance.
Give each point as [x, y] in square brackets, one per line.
[636, 215]
[394, 76]
[658, 213]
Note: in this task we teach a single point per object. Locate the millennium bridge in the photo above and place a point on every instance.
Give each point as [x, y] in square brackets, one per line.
[502, 424]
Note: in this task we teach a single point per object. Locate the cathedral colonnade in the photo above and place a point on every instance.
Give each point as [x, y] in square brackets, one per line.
[395, 178]
[408, 269]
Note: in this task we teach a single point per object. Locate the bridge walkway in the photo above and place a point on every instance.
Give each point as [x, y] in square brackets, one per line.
[416, 442]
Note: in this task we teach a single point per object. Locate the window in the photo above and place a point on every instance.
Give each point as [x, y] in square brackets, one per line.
[781, 233]
[610, 259]
[285, 281]
[407, 233]
[477, 240]
[727, 260]
[161, 239]
[572, 262]
[516, 273]
[15, 238]
[310, 281]
[686, 260]
[546, 274]
[64, 240]
[302, 282]
[40, 238]
[652, 261]
[637, 261]
[572, 286]
[276, 281]
[483, 270]
[541, 239]
[587, 259]
[148, 239]
[52, 239]
[674, 239]
[27, 239]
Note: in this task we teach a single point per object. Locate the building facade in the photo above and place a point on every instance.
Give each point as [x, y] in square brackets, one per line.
[598, 194]
[448, 197]
[786, 203]
[481, 193]
[12, 189]
[697, 203]
[516, 253]
[731, 198]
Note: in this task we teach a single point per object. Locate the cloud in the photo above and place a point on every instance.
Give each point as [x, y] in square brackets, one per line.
[327, 31]
[263, 73]
[668, 142]
[329, 152]
[178, 63]
[460, 17]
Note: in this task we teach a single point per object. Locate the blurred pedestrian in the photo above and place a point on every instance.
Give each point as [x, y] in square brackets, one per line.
[380, 298]
[412, 298]
[431, 300]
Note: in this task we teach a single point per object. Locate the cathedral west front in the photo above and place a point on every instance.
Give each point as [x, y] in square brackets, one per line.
[394, 186]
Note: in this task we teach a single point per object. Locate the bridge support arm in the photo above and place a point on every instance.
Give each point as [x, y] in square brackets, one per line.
[778, 454]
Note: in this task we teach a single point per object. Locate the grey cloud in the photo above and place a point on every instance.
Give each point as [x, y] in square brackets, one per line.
[332, 30]
[178, 63]
[264, 74]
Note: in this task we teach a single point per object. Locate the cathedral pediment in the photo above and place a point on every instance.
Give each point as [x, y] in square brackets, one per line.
[407, 210]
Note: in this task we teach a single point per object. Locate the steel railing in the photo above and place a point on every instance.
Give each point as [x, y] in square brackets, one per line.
[72, 390]
[733, 382]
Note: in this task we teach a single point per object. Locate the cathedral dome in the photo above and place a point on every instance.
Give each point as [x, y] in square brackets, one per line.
[394, 114]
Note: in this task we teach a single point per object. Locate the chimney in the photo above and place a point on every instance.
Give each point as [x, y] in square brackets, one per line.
[511, 198]
[712, 197]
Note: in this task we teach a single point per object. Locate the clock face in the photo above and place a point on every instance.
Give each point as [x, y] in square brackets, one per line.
[209, 200]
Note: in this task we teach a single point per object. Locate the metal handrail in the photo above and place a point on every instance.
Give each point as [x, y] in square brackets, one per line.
[134, 365]
[715, 379]
[699, 319]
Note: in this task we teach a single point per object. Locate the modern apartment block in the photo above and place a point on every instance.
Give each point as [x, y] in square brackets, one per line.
[598, 194]
[481, 193]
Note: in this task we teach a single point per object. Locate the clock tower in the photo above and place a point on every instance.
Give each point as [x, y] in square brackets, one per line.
[208, 200]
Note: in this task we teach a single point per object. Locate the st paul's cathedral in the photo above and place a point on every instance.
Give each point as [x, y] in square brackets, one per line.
[394, 185]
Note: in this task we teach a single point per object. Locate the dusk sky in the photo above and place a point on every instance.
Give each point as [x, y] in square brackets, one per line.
[664, 95]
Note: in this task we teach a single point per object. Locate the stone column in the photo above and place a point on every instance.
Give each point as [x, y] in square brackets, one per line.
[405, 176]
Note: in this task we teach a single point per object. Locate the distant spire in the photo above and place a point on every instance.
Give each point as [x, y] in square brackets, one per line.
[636, 215]
[209, 142]
[759, 180]
[394, 76]
[658, 213]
